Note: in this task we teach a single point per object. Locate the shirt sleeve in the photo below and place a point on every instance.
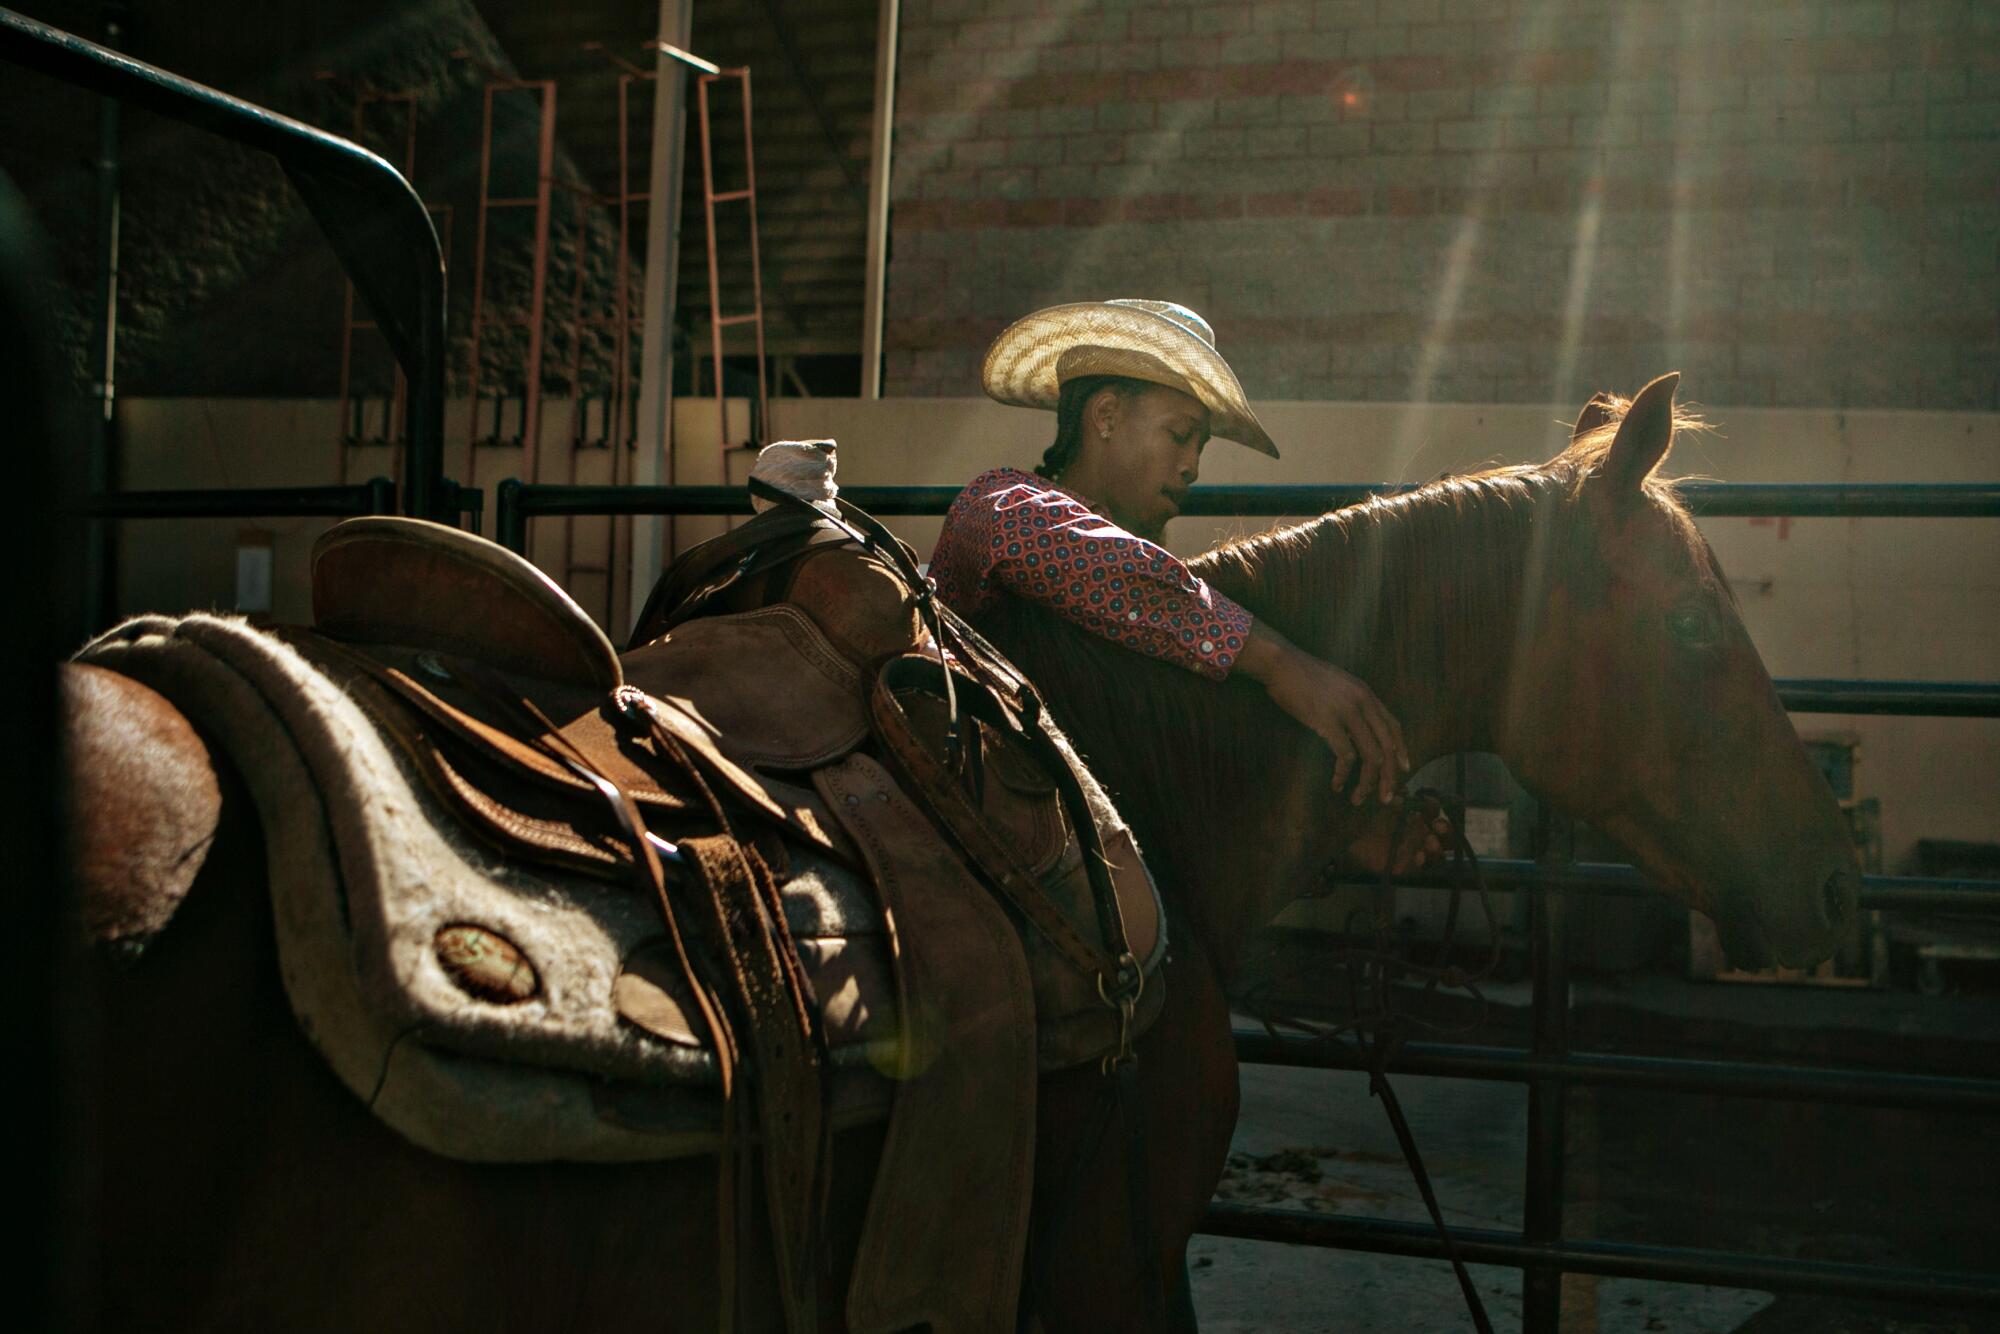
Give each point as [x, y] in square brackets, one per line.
[1009, 532]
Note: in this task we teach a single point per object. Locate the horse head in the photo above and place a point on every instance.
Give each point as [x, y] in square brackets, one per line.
[1636, 700]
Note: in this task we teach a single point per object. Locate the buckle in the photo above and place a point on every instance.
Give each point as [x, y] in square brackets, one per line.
[631, 704]
[1130, 986]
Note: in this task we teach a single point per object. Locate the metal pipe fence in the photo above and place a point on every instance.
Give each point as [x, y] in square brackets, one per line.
[374, 496]
[1548, 1067]
[374, 221]
[518, 502]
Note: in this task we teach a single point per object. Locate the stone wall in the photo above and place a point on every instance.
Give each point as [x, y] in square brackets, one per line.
[1793, 201]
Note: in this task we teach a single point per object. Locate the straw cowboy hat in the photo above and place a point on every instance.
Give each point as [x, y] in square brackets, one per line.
[1155, 341]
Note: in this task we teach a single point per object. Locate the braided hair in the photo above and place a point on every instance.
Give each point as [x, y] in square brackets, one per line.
[1069, 418]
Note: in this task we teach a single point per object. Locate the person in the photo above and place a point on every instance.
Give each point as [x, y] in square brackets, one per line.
[1138, 389]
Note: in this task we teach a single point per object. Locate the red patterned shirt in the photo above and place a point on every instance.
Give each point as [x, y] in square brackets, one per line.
[1013, 532]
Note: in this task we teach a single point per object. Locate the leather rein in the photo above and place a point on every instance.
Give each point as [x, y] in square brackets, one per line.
[1377, 1027]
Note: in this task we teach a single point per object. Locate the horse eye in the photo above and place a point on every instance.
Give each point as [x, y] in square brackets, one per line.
[1692, 626]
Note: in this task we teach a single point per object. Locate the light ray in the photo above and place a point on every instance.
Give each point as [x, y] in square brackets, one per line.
[1536, 24]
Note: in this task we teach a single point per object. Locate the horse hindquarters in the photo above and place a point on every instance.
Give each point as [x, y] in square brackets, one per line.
[1087, 1274]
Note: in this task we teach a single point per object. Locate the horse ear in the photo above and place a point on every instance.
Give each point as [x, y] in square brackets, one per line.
[1595, 414]
[1643, 437]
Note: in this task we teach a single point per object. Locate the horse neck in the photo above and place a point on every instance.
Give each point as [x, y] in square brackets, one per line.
[1418, 595]
[1231, 800]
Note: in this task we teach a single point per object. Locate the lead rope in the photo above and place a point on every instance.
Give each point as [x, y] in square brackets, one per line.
[1379, 1028]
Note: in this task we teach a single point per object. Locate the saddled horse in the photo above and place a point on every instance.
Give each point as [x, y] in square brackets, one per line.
[1566, 616]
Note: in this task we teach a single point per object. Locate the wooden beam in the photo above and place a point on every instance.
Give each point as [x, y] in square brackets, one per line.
[880, 139]
[652, 462]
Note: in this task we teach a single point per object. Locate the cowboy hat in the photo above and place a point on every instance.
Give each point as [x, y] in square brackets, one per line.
[1156, 341]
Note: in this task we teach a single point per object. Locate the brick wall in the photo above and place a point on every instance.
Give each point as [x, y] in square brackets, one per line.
[1796, 202]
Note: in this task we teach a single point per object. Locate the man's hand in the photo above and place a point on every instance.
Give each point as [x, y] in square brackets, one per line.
[1341, 708]
[1426, 839]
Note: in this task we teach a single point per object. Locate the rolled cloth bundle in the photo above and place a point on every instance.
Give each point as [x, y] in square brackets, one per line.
[802, 467]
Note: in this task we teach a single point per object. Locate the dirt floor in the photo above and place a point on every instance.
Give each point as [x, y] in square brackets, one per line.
[1766, 1177]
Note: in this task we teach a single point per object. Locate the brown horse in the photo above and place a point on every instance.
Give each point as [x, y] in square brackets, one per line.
[1566, 616]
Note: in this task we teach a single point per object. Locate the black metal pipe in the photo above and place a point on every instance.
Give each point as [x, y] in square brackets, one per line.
[101, 550]
[1745, 1079]
[1666, 1264]
[1548, 1090]
[1927, 699]
[1890, 893]
[1886, 500]
[373, 219]
[526, 501]
[1828, 500]
[376, 496]
[510, 520]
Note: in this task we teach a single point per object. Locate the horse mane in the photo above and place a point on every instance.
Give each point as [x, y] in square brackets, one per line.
[1324, 582]
[1458, 549]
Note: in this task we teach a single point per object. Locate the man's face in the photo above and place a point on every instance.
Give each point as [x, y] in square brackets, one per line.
[1150, 457]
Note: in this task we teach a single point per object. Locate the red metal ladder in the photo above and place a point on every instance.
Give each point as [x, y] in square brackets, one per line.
[352, 432]
[710, 75]
[622, 322]
[531, 407]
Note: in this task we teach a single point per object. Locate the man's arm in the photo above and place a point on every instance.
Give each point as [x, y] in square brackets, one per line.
[1338, 706]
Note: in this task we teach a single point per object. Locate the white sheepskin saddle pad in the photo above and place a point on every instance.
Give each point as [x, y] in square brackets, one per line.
[485, 1009]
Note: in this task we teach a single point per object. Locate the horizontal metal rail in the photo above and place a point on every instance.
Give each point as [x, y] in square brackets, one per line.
[1924, 699]
[376, 496]
[1664, 1074]
[1667, 1264]
[1900, 500]
[1887, 893]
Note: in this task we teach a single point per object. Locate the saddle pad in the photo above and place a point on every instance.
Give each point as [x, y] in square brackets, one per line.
[486, 1010]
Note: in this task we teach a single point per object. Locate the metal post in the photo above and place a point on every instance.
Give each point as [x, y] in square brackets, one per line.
[714, 278]
[1541, 1222]
[531, 389]
[545, 151]
[352, 420]
[101, 551]
[881, 139]
[760, 429]
[479, 294]
[653, 457]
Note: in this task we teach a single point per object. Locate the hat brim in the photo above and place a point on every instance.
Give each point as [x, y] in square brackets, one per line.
[1032, 358]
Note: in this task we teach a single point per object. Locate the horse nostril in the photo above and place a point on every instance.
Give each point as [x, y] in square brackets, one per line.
[1836, 894]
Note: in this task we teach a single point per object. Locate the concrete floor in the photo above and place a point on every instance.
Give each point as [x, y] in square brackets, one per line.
[1305, 1123]
[1765, 1177]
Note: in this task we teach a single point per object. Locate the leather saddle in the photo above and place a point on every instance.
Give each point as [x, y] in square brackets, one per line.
[783, 733]
[759, 699]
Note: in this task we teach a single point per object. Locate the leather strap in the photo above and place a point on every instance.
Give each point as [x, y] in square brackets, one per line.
[947, 1221]
[651, 877]
[943, 796]
[736, 914]
[1378, 1084]
[707, 570]
[742, 919]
